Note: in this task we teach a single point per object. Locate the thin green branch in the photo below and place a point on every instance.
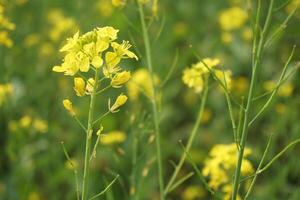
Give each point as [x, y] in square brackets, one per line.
[107, 188]
[173, 66]
[190, 139]
[73, 167]
[154, 103]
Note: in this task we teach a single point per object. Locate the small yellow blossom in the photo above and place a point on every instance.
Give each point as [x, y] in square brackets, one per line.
[5, 91]
[34, 196]
[120, 78]
[68, 106]
[240, 84]
[5, 25]
[247, 34]
[79, 86]
[113, 137]
[71, 164]
[121, 100]
[232, 18]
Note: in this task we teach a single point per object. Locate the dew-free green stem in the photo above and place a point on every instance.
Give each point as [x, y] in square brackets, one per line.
[257, 54]
[88, 141]
[190, 140]
[154, 103]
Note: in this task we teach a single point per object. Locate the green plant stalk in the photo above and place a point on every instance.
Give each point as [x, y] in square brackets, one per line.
[154, 103]
[88, 142]
[257, 54]
[190, 140]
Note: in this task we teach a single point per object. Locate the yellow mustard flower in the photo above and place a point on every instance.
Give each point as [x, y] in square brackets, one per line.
[69, 106]
[193, 76]
[5, 91]
[232, 18]
[247, 34]
[5, 25]
[121, 100]
[34, 196]
[90, 86]
[240, 84]
[113, 137]
[79, 86]
[222, 162]
[105, 8]
[120, 78]
[226, 37]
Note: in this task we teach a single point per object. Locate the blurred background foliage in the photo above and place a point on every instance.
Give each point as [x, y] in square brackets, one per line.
[33, 121]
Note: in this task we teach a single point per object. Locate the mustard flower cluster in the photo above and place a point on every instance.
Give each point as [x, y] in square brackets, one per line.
[5, 26]
[194, 76]
[96, 50]
[232, 18]
[220, 165]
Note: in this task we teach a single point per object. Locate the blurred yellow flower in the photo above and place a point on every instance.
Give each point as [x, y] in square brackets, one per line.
[193, 76]
[247, 34]
[31, 40]
[105, 8]
[5, 91]
[79, 86]
[225, 77]
[25, 121]
[34, 196]
[226, 37]
[141, 82]
[120, 78]
[5, 25]
[71, 164]
[193, 192]
[113, 137]
[232, 18]
[59, 24]
[68, 106]
[221, 162]
[240, 84]
[284, 90]
[118, 3]
[40, 125]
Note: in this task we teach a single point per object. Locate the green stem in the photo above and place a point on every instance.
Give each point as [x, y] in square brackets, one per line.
[257, 54]
[190, 140]
[88, 142]
[154, 103]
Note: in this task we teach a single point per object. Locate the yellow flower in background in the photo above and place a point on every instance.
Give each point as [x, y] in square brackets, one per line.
[222, 162]
[40, 125]
[193, 76]
[118, 3]
[113, 137]
[140, 82]
[120, 101]
[247, 34]
[227, 189]
[32, 40]
[5, 25]
[240, 84]
[105, 8]
[71, 164]
[5, 92]
[226, 37]
[79, 86]
[68, 106]
[120, 79]
[232, 18]
[193, 192]
[225, 77]
[59, 24]
[280, 108]
[292, 5]
[25, 121]
[34, 196]
[285, 90]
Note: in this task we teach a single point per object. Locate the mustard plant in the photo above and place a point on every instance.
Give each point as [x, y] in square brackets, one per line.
[91, 59]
